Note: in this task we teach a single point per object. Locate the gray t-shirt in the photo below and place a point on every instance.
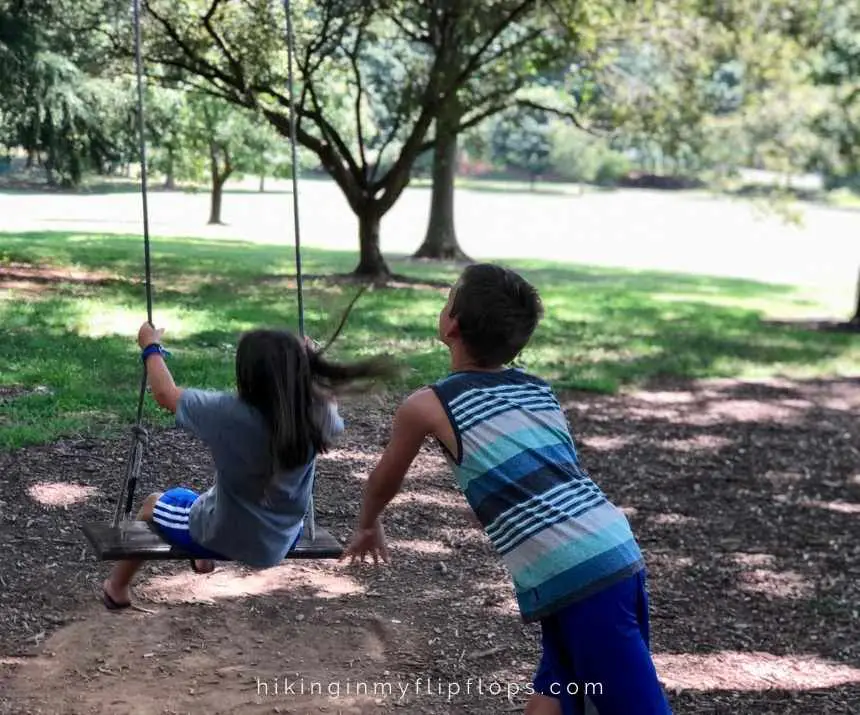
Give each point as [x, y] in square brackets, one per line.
[230, 517]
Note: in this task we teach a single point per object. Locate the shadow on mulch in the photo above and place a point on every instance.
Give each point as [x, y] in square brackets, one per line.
[745, 498]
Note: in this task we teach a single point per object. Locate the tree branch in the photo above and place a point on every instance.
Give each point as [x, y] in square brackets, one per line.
[561, 113]
[496, 101]
[218, 92]
[389, 140]
[196, 62]
[327, 156]
[359, 94]
[411, 34]
[307, 69]
[474, 62]
[481, 116]
[234, 64]
[329, 132]
[468, 124]
[412, 145]
[510, 49]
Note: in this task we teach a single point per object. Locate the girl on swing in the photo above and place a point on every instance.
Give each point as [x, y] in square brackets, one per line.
[264, 440]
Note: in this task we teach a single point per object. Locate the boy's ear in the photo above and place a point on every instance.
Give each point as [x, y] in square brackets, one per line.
[452, 330]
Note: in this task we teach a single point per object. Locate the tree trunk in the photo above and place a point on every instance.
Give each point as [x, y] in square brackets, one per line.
[215, 204]
[262, 183]
[371, 263]
[219, 178]
[170, 179]
[855, 320]
[33, 142]
[440, 242]
[51, 142]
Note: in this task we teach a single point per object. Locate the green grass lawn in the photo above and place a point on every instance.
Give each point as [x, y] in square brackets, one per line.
[70, 364]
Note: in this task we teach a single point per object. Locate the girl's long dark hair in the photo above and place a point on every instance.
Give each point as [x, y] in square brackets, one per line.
[286, 380]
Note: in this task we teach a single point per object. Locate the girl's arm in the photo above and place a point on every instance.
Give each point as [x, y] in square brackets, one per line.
[164, 389]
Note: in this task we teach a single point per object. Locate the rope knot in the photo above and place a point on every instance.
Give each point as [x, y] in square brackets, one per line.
[141, 436]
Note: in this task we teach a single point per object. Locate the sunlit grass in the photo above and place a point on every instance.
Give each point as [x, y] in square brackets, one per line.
[69, 346]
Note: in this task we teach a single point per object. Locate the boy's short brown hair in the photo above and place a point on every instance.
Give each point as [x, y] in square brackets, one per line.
[497, 311]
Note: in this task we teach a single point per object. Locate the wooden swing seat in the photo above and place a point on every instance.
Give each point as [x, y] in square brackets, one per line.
[138, 540]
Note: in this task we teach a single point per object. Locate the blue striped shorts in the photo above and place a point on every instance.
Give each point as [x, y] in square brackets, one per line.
[170, 517]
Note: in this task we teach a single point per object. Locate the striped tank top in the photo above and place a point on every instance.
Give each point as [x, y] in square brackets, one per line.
[555, 530]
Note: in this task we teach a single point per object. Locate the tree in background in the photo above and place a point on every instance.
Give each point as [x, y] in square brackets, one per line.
[537, 45]
[61, 102]
[840, 70]
[168, 123]
[198, 137]
[366, 133]
[837, 69]
[521, 141]
[830, 33]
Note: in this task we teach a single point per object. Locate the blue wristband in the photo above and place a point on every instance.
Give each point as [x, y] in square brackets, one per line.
[152, 349]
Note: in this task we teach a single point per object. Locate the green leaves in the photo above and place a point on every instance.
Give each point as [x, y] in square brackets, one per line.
[521, 141]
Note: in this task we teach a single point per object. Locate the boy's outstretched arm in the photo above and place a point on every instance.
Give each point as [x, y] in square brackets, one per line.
[413, 421]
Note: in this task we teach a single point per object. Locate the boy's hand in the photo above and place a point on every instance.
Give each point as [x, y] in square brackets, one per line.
[147, 335]
[367, 541]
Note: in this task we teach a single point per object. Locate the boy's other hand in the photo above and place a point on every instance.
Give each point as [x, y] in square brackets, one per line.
[148, 334]
[367, 541]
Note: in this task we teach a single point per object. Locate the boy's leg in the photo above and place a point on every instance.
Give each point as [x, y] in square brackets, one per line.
[116, 587]
[606, 638]
[543, 705]
[550, 697]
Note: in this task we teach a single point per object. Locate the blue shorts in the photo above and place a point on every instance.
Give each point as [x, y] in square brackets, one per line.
[598, 650]
[170, 518]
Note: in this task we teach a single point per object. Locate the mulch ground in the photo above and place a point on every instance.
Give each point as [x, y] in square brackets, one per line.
[745, 498]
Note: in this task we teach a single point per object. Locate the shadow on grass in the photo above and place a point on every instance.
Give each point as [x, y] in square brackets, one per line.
[844, 200]
[826, 326]
[105, 188]
[603, 329]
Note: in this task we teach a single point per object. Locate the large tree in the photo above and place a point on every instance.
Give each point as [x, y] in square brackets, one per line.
[372, 77]
[830, 33]
[59, 101]
[521, 80]
[197, 137]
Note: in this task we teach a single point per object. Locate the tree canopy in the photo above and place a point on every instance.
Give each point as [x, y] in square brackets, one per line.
[372, 77]
[687, 87]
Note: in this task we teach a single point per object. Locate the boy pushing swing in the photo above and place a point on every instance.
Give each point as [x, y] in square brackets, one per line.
[576, 566]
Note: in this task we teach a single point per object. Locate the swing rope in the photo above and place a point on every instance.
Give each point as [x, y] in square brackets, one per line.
[140, 437]
[135, 540]
[310, 518]
[291, 48]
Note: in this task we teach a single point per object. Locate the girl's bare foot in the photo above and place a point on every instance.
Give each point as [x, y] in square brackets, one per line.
[202, 565]
[114, 598]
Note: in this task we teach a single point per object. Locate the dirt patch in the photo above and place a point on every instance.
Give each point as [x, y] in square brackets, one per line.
[743, 496]
[12, 392]
[824, 326]
[32, 279]
[8, 393]
[394, 280]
